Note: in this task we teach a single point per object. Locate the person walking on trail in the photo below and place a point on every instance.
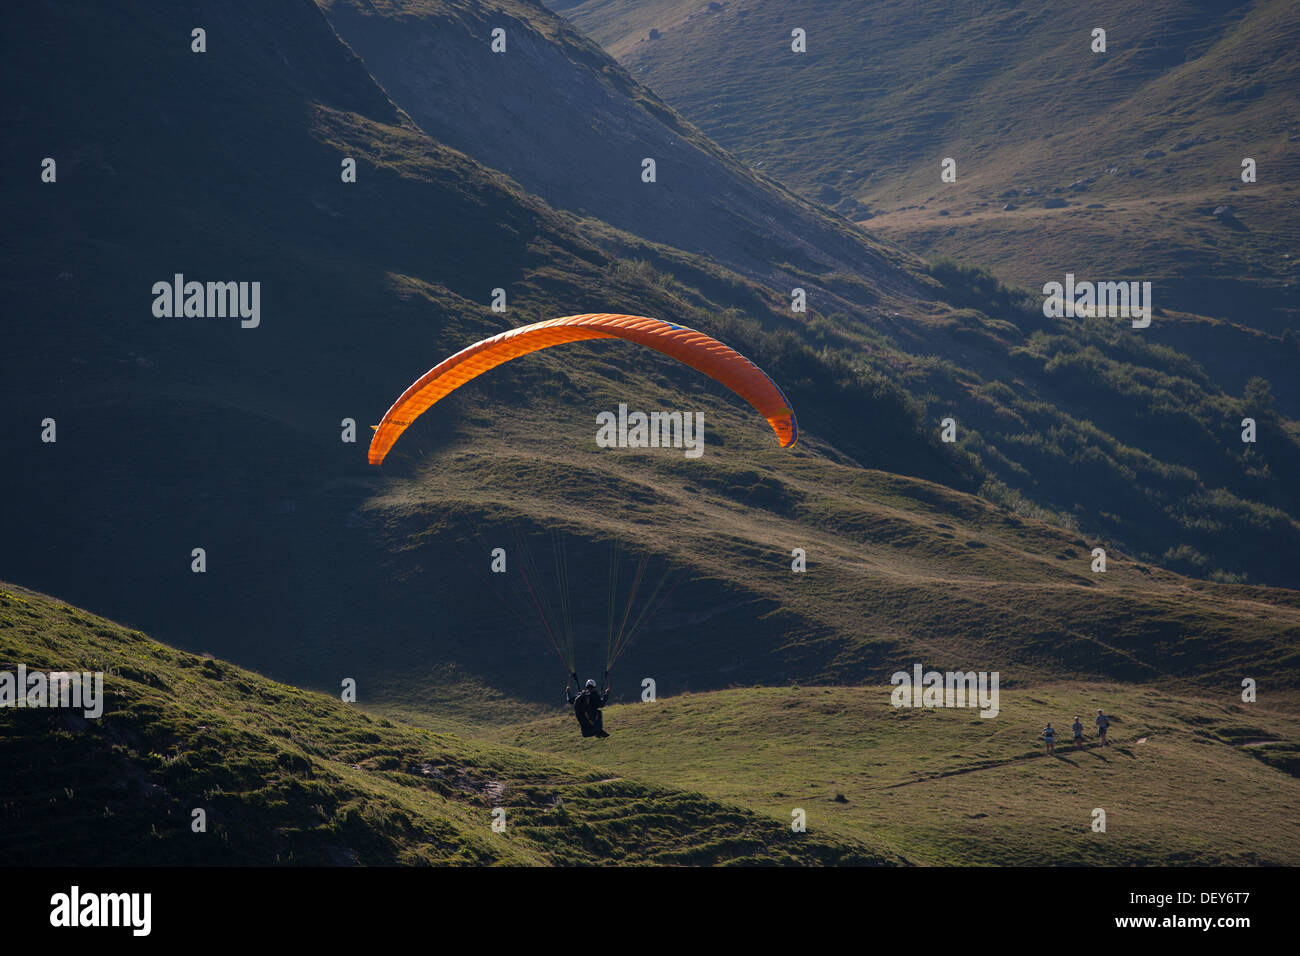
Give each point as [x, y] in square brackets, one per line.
[1049, 735]
[1103, 722]
[586, 707]
[1078, 732]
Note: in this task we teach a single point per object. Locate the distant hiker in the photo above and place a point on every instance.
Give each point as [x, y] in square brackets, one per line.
[1102, 723]
[1050, 736]
[1078, 732]
[586, 707]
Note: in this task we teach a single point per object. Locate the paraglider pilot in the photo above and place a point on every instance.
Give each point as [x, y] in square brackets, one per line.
[586, 707]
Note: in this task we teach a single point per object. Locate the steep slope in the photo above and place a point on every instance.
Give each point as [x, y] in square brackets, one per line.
[177, 434]
[290, 777]
[225, 166]
[1143, 142]
[184, 433]
[554, 112]
[531, 113]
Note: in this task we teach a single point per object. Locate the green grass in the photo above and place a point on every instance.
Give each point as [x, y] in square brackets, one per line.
[1016, 96]
[896, 567]
[320, 567]
[1179, 783]
[288, 776]
[884, 352]
[292, 777]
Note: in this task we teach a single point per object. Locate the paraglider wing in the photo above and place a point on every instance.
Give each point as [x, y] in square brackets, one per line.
[695, 349]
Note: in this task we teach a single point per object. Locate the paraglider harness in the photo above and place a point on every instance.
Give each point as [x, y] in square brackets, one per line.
[587, 703]
[559, 629]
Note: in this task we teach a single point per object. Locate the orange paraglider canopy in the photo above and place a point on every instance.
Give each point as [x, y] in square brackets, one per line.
[695, 349]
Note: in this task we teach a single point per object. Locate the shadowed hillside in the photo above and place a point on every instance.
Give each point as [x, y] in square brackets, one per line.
[563, 119]
[965, 463]
[286, 776]
[899, 570]
[1110, 165]
[557, 114]
[184, 433]
[290, 777]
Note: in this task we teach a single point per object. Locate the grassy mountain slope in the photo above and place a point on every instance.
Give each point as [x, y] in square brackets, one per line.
[1185, 780]
[293, 777]
[1142, 143]
[287, 776]
[559, 115]
[184, 433]
[897, 567]
[225, 165]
